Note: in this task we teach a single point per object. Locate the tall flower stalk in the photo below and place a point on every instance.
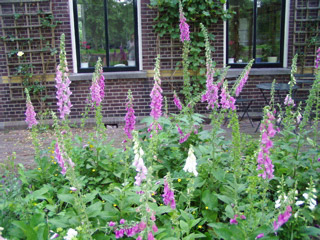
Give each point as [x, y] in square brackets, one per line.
[212, 89]
[138, 162]
[63, 82]
[97, 92]
[177, 101]
[68, 171]
[185, 39]
[267, 132]
[30, 113]
[241, 80]
[130, 118]
[227, 101]
[168, 193]
[32, 122]
[191, 162]
[156, 98]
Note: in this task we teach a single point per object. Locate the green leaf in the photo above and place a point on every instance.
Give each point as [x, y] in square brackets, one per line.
[312, 231]
[221, 230]
[37, 219]
[209, 199]
[195, 236]
[184, 227]
[193, 222]
[38, 194]
[94, 209]
[206, 13]
[108, 198]
[90, 196]
[229, 211]
[65, 197]
[219, 174]
[225, 199]
[27, 230]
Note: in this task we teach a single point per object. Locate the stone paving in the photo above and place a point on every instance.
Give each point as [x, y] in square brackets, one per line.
[20, 142]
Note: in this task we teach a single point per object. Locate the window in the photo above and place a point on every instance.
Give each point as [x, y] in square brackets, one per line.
[256, 31]
[106, 29]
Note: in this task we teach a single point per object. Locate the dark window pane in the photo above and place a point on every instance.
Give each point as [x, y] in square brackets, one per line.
[121, 33]
[268, 30]
[240, 32]
[91, 24]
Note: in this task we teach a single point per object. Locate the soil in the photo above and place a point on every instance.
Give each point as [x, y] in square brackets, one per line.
[20, 142]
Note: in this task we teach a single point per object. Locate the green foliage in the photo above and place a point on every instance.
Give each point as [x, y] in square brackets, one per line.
[209, 13]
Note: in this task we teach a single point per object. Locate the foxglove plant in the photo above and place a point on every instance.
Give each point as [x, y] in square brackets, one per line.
[310, 196]
[63, 163]
[130, 117]
[267, 132]
[185, 39]
[317, 61]
[63, 82]
[313, 98]
[138, 163]
[97, 86]
[30, 113]
[184, 27]
[177, 101]
[191, 162]
[156, 98]
[243, 78]
[101, 82]
[227, 101]
[212, 90]
[288, 101]
[97, 93]
[282, 218]
[168, 194]
[32, 121]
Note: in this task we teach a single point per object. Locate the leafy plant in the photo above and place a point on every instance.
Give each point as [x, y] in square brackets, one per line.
[209, 13]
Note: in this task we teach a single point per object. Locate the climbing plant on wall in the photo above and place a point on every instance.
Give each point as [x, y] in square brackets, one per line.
[207, 12]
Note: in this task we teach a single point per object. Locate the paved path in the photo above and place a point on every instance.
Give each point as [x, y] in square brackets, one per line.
[20, 142]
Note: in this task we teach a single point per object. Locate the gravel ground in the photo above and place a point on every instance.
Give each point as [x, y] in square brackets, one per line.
[20, 142]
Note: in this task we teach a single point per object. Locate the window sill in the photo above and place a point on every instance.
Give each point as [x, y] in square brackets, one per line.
[110, 75]
[259, 71]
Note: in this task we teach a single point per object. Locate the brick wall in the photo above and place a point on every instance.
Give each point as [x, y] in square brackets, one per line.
[113, 106]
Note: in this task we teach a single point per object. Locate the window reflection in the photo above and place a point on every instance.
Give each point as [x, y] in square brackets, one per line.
[121, 33]
[117, 48]
[254, 31]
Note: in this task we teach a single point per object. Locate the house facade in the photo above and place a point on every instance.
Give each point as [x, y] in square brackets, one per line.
[121, 33]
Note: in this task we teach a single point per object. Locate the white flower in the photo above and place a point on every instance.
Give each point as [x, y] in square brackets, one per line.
[73, 189]
[298, 203]
[20, 54]
[278, 203]
[191, 163]
[55, 235]
[299, 118]
[70, 234]
[311, 199]
[279, 120]
[312, 203]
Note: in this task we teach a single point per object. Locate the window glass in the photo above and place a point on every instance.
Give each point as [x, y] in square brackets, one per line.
[254, 31]
[92, 40]
[121, 33]
[106, 29]
[241, 32]
[268, 31]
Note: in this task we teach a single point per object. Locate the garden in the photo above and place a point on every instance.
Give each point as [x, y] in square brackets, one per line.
[172, 179]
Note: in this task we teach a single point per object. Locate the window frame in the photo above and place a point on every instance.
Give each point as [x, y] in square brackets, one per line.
[110, 68]
[282, 33]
